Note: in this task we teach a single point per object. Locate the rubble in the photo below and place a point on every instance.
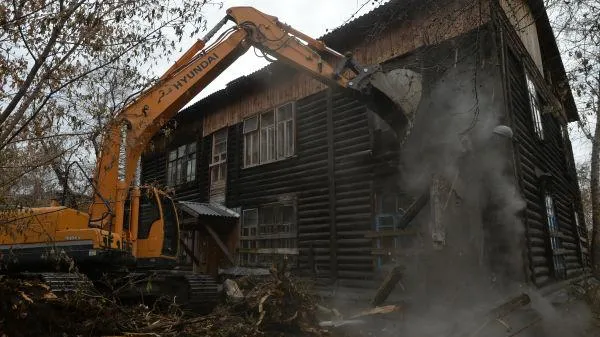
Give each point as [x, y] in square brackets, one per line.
[233, 291]
[274, 305]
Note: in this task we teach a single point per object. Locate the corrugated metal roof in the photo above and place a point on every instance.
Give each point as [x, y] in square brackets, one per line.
[200, 208]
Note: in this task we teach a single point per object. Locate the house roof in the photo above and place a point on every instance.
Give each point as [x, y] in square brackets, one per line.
[371, 23]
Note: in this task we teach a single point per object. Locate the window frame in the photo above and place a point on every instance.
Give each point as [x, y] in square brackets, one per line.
[535, 107]
[181, 164]
[254, 135]
[220, 163]
[286, 128]
[268, 130]
[281, 238]
[291, 120]
[559, 265]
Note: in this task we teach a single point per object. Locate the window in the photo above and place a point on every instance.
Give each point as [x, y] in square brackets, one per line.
[181, 167]
[251, 141]
[558, 259]
[270, 136]
[285, 131]
[267, 137]
[536, 112]
[218, 164]
[267, 233]
[148, 213]
[249, 224]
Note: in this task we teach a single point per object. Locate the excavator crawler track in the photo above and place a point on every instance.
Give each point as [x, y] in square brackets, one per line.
[193, 292]
[203, 292]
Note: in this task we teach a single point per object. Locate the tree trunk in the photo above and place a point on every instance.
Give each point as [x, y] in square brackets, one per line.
[595, 192]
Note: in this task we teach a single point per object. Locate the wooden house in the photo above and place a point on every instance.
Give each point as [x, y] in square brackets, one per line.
[278, 166]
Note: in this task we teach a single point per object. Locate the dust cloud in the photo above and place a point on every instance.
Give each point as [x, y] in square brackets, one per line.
[459, 141]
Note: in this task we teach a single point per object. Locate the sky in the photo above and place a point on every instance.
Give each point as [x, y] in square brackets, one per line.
[313, 18]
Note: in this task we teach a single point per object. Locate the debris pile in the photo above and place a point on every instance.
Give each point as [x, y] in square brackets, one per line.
[275, 305]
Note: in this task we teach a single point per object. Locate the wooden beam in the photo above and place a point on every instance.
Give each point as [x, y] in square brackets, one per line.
[391, 232]
[331, 179]
[414, 209]
[280, 251]
[387, 286]
[189, 252]
[220, 243]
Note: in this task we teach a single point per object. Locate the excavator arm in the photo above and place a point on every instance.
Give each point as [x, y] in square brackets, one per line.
[133, 128]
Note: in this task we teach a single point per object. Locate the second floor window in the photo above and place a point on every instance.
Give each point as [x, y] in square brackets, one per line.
[285, 131]
[181, 166]
[534, 104]
[218, 163]
[267, 137]
[251, 141]
[270, 136]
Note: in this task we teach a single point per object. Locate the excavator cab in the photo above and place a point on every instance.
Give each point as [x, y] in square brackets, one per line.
[152, 223]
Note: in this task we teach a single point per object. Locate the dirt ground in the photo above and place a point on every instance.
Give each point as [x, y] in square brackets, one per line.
[279, 305]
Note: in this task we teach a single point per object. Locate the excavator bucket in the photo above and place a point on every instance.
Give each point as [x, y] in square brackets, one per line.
[395, 97]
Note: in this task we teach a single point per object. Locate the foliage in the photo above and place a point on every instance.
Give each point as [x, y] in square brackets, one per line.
[577, 28]
[67, 66]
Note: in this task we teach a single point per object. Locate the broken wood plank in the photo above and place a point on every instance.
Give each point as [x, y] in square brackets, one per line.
[413, 210]
[388, 284]
[189, 252]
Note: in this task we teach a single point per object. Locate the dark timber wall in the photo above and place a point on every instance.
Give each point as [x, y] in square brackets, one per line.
[534, 161]
[329, 179]
[184, 129]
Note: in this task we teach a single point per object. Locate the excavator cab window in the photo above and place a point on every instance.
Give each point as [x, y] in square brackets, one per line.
[127, 212]
[171, 226]
[149, 212]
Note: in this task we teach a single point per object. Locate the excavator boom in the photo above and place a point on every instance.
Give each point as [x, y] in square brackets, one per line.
[137, 123]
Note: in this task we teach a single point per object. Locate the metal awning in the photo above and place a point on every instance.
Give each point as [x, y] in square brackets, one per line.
[216, 219]
[197, 209]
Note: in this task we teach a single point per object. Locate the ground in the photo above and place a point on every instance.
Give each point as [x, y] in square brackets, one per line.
[279, 305]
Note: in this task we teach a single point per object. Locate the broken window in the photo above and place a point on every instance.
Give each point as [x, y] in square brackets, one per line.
[267, 137]
[270, 136]
[558, 258]
[268, 233]
[181, 165]
[285, 131]
[535, 106]
[218, 165]
[251, 148]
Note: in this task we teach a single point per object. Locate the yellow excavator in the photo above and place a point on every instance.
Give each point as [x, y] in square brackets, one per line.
[134, 231]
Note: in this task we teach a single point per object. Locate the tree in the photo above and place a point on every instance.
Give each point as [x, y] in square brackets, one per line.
[66, 67]
[577, 28]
